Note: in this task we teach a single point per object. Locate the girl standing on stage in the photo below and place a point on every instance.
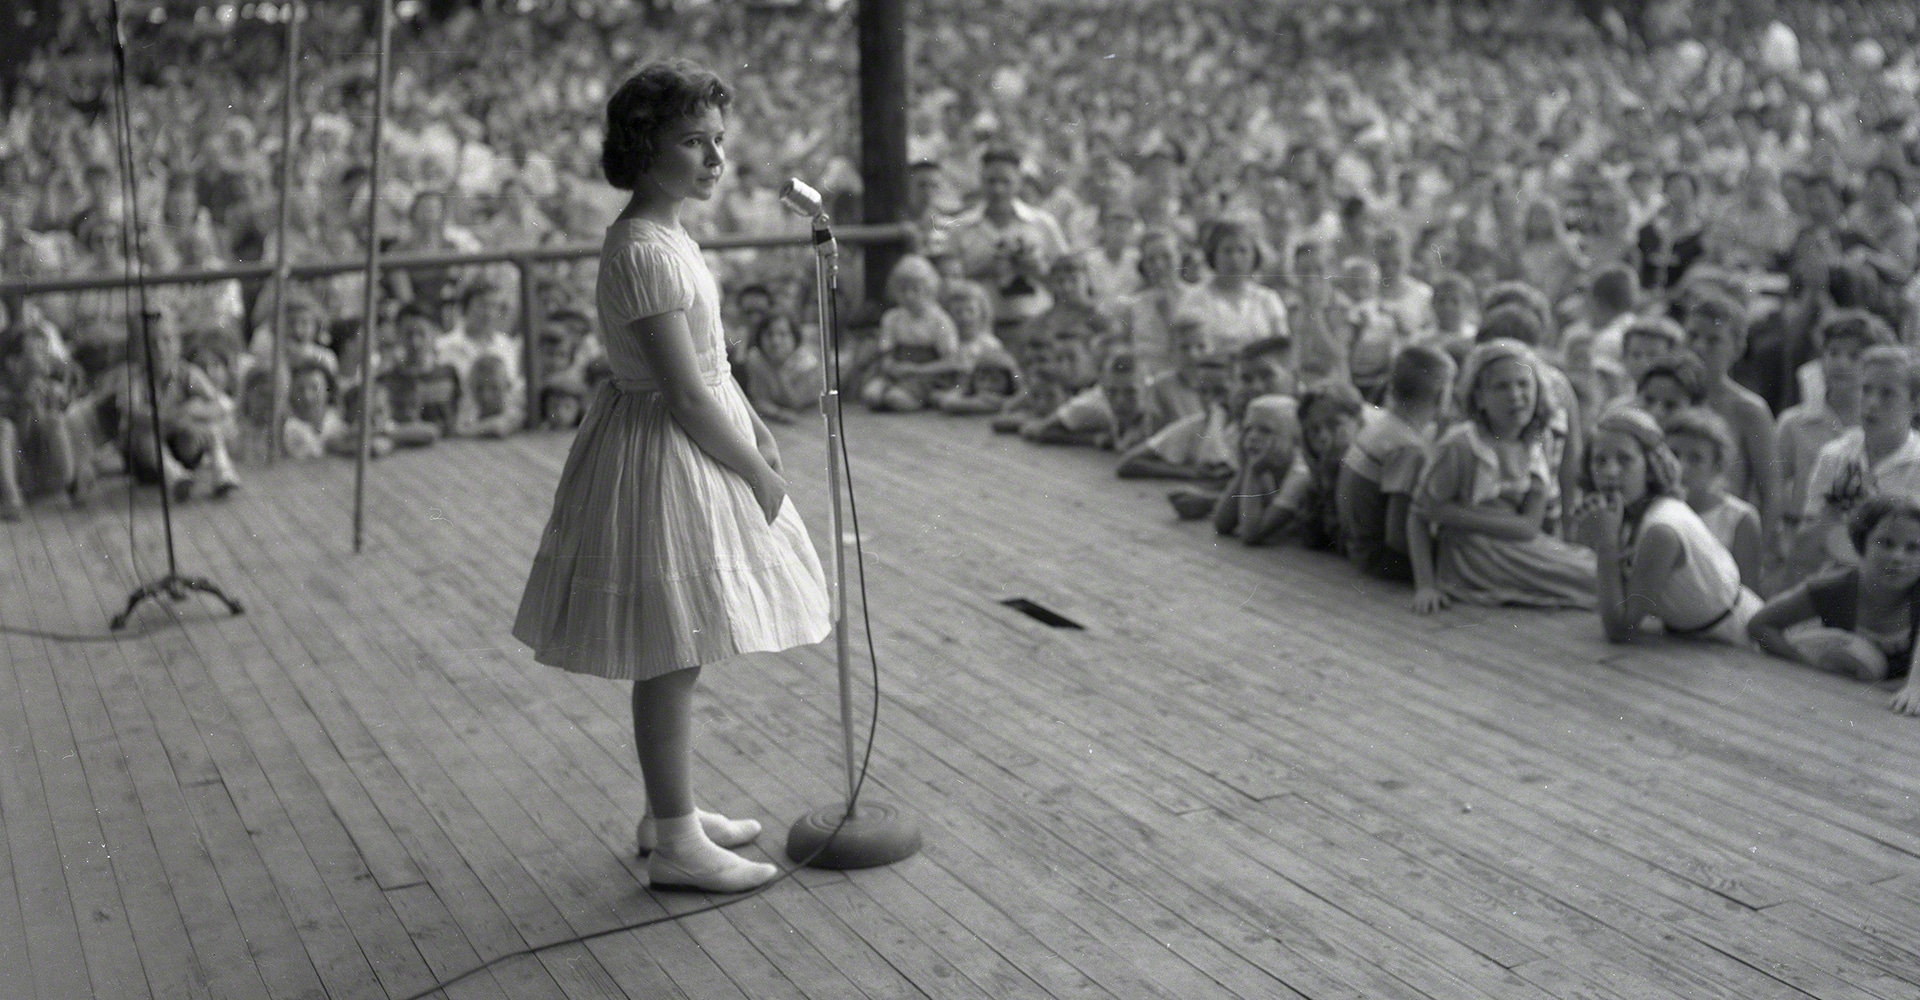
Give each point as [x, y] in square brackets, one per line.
[671, 545]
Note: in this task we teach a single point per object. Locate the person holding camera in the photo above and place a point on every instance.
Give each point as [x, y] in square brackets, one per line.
[1006, 244]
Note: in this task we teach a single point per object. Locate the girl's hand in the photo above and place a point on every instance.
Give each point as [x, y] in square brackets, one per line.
[1906, 701]
[771, 490]
[1597, 519]
[1427, 600]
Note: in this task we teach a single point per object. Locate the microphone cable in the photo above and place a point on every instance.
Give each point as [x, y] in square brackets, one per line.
[832, 363]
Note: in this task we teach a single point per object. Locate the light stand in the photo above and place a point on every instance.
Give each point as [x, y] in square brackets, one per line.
[859, 834]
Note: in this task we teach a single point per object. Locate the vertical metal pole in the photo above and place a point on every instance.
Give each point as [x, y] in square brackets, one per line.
[529, 357]
[369, 324]
[825, 259]
[274, 437]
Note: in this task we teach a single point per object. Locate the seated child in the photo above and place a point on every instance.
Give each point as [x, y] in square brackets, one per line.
[1381, 470]
[194, 435]
[1477, 532]
[387, 433]
[1373, 334]
[312, 422]
[423, 393]
[1107, 415]
[1805, 428]
[1881, 456]
[1250, 508]
[253, 440]
[306, 322]
[1047, 381]
[563, 401]
[1073, 317]
[37, 452]
[1867, 614]
[971, 307]
[992, 380]
[1595, 382]
[1716, 327]
[1205, 446]
[1702, 442]
[1671, 384]
[918, 342]
[490, 407]
[1331, 416]
[1646, 341]
[783, 374]
[1654, 556]
[1181, 391]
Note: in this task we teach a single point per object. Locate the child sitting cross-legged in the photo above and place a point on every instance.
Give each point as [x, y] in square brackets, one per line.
[1701, 441]
[489, 407]
[1868, 615]
[1250, 508]
[1380, 472]
[1655, 557]
[312, 421]
[1477, 531]
[918, 342]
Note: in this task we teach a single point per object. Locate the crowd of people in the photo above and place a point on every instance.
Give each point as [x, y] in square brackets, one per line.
[1514, 306]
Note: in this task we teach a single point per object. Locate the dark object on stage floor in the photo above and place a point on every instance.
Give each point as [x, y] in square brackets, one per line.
[859, 834]
[1042, 614]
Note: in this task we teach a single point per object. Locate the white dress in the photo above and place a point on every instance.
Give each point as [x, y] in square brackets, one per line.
[657, 557]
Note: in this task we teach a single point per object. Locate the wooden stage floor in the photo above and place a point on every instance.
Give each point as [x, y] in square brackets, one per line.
[1251, 774]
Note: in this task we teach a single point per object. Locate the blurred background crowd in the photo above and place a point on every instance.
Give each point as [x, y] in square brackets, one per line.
[1131, 222]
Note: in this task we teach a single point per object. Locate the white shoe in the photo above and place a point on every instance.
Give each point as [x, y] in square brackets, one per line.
[720, 870]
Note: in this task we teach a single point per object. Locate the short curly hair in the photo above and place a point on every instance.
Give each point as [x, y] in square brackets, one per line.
[660, 95]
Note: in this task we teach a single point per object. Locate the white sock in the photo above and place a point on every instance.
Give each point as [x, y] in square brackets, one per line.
[685, 858]
[719, 829]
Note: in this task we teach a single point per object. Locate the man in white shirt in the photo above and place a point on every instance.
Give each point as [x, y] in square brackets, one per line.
[1006, 244]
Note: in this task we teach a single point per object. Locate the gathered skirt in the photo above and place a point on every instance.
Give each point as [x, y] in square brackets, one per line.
[657, 557]
[1544, 572]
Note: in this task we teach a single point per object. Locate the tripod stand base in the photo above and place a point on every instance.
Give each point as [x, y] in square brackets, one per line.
[178, 588]
[876, 835]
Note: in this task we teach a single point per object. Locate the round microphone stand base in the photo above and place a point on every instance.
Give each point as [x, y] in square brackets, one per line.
[874, 835]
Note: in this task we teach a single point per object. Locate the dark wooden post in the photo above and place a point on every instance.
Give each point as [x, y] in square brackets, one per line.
[884, 90]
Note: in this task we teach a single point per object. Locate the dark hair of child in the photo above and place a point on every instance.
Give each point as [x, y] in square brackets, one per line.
[1220, 231]
[1509, 321]
[1686, 371]
[1874, 510]
[1858, 324]
[1701, 424]
[1615, 287]
[1420, 374]
[652, 100]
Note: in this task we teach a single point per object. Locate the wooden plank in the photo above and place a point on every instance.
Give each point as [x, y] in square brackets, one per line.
[87, 926]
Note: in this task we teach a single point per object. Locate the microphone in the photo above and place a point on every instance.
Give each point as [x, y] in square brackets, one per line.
[802, 200]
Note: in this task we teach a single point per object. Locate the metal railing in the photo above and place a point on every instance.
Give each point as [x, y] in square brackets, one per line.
[522, 258]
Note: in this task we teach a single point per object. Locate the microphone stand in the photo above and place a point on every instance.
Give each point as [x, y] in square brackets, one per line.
[860, 834]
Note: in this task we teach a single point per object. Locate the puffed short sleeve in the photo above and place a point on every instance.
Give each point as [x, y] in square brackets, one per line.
[643, 279]
[1448, 478]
